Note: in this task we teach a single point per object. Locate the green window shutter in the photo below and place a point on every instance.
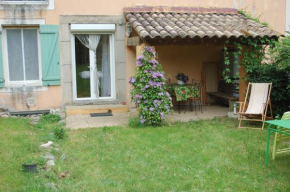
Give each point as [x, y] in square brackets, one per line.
[1, 63]
[50, 55]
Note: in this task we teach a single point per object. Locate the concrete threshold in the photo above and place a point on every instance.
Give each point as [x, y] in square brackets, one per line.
[87, 109]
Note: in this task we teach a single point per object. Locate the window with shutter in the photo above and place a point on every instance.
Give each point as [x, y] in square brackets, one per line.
[22, 57]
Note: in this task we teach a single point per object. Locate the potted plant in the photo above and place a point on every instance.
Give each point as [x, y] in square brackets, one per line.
[30, 165]
[181, 78]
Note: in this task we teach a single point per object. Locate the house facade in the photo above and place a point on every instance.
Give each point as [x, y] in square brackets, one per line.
[56, 53]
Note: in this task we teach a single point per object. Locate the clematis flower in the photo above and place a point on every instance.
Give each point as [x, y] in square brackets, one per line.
[139, 63]
[155, 75]
[132, 80]
[152, 83]
[149, 49]
[153, 61]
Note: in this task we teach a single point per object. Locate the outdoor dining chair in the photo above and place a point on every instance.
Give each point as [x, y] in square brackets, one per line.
[196, 101]
[256, 104]
[278, 147]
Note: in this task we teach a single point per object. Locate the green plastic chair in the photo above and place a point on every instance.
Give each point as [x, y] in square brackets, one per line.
[277, 148]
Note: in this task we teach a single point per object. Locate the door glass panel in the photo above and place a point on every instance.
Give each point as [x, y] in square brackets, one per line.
[83, 77]
[103, 66]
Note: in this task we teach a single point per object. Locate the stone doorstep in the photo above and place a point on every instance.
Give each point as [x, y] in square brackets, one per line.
[87, 109]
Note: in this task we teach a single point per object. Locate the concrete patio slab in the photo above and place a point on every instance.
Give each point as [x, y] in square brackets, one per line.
[121, 119]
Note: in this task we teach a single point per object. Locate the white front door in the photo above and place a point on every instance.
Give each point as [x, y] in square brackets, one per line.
[93, 71]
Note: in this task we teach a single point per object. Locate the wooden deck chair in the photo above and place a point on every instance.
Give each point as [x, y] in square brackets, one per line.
[256, 104]
[279, 138]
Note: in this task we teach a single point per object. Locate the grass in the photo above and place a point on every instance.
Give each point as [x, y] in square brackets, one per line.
[194, 156]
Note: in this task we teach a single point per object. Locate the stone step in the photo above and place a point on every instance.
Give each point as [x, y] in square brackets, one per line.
[87, 109]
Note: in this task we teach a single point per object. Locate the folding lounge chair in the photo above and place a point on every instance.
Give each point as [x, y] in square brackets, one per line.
[279, 138]
[256, 104]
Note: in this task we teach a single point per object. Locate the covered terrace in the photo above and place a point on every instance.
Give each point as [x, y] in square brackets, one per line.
[191, 40]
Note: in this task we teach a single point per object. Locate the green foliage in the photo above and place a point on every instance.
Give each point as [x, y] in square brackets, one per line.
[30, 160]
[134, 122]
[267, 73]
[49, 118]
[148, 91]
[205, 155]
[59, 133]
[266, 60]
[41, 161]
[249, 16]
[280, 53]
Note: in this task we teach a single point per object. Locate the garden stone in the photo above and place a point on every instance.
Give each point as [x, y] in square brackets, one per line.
[34, 119]
[58, 111]
[4, 113]
[3, 109]
[5, 116]
[62, 115]
[50, 163]
[46, 145]
[62, 121]
[55, 148]
[52, 186]
[49, 157]
[52, 111]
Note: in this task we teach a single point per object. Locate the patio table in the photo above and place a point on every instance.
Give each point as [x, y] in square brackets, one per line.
[183, 92]
[281, 123]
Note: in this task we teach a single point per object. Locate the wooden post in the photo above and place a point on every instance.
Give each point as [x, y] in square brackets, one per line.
[242, 85]
[140, 49]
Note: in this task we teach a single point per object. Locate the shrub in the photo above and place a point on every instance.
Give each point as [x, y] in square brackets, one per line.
[134, 122]
[280, 79]
[49, 118]
[59, 133]
[148, 91]
[277, 72]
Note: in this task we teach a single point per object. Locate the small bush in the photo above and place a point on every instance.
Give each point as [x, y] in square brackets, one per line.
[134, 122]
[49, 118]
[59, 133]
[280, 78]
[148, 89]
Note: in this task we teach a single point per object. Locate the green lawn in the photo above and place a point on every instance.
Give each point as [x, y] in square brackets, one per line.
[196, 156]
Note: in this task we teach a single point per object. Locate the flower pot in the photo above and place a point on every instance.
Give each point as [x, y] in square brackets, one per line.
[179, 82]
[30, 167]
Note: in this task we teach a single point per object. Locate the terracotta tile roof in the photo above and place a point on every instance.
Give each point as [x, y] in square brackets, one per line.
[160, 22]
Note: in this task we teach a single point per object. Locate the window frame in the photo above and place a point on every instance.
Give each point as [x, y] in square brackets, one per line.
[46, 5]
[9, 83]
[38, 2]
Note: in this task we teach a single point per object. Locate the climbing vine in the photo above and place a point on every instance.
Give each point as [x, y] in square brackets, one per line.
[255, 52]
[264, 60]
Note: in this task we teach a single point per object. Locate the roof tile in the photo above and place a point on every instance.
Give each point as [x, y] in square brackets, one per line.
[214, 23]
